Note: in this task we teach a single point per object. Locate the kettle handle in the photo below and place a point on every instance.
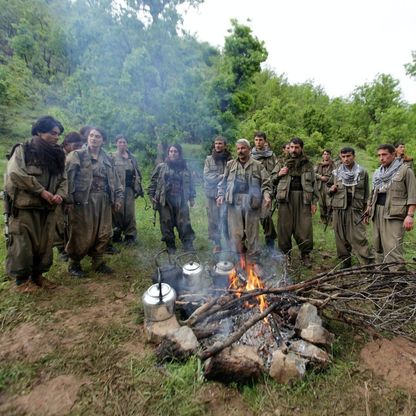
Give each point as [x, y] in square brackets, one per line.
[158, 254]
[188, 253]
[159, 282]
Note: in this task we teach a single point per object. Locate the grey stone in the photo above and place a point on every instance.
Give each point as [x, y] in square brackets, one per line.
[317, 334]
[157, 331]
[311, 352]
[308, 314]
[185, 338]
[287, 368]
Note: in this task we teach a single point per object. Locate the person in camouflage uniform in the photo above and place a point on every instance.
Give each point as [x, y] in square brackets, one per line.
[171, 189]
[213, 173]
[72, 141]
[35, 184]
[323, 171]
[392, 205]
[349, 190]
[268, 159]
[244, 188]
[294, 179]
[94, 189]
[124, 220]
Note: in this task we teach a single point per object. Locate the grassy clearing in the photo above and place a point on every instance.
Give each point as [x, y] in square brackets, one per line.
[93, 327]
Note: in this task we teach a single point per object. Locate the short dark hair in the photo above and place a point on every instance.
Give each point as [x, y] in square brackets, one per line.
[45, 124]
[84, 131]
[347, 150]
[397, 144]
[120, 136]
[220, 139]
[260, 134]
[297, 140]
[73, 137]
[387, 146]
[285, 144]
[328, 151]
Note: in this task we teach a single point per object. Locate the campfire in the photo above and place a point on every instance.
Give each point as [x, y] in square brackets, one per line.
[259, 323]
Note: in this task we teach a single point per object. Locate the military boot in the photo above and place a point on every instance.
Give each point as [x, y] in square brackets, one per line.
[43, 282]
[102, 268]
[306, 260]
[75, 269]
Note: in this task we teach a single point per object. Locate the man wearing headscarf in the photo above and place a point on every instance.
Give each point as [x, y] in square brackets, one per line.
[348, 188]
[392, 204]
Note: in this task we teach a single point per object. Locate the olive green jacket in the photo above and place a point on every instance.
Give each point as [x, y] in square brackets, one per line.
[400, 194]
[213, 171]
[24, 183]
[360, 192]
[121, 165]
[258, 181]
[282, 183]
[323, 170]
[80, 175]
[158, 183]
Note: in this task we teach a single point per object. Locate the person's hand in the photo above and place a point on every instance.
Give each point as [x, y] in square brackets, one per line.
[333, 189]
[313, 209]
[283, 171]
[117, 206]
[408, 223]
[192, 203]
[267, 201]
[220, 201]
[324, 178]
[47, 196]
[57, 200]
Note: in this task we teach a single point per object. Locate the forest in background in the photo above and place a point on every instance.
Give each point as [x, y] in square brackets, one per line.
[130, 68]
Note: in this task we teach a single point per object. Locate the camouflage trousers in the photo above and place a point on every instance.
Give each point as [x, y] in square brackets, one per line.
[350, 237]
[124, 220]
[295, 219]
[173, 214]
[90, 228]
[30, 251]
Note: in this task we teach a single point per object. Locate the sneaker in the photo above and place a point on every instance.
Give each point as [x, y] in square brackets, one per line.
[43, 282]
[75, 270]
[27, 287]
[103, 268]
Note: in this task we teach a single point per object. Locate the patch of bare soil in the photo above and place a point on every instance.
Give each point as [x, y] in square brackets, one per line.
[55, 397]
[24, 342]
[394, 360]
[221, 401]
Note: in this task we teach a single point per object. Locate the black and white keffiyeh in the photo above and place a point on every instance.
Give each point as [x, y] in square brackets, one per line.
[348, 177]
[383, 175]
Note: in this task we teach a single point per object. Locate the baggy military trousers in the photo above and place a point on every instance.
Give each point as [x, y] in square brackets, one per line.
[295, 219]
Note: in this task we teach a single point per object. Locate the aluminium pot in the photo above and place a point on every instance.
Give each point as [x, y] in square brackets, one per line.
[192, 271]
[220, 274]
[159, 301]
[169, 271]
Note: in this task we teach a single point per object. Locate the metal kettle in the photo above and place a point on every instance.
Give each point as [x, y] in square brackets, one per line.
[159, 301]
[221, 273]
[193, 272]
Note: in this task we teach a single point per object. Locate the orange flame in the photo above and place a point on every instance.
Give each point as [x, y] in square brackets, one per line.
[253, 282]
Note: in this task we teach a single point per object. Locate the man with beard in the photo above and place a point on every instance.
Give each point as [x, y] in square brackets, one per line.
[392, 204]
[35, 185]
[294, 179]
[268, 159]
[322, 173]
[171, 189]
[244, 187]
[213, 173]
[348, 188]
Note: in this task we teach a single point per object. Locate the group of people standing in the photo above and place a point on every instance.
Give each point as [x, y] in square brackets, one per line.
[243, 189]
[77, 197]
[70, 196]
